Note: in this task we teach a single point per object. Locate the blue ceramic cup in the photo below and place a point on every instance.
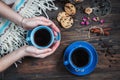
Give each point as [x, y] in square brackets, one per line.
[80, 58]
[41, 37]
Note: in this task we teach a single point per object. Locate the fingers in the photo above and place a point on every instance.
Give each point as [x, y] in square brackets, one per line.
[46, 52]
[43, 55]
[54, 27]
[31, 49]
[49, 23]
[42, 23]
[55, 46]
[55, 33]
[38, 51]
[36, 21]
[43, 19]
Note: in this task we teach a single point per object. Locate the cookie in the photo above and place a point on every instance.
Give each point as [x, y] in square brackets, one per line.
[61, 14]
[66, 22]
[70, 9]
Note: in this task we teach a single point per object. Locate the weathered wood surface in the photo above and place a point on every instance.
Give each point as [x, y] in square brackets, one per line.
[108, 67]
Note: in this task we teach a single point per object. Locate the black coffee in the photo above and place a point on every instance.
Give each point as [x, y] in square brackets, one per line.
[80, 57]
[42, 37]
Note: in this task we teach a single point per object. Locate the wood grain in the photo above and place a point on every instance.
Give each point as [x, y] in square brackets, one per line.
[108, 67]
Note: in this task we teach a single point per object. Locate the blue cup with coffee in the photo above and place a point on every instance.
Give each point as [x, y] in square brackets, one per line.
[42, 37]
[80, 58]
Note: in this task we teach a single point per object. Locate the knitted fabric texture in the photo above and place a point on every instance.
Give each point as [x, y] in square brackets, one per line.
[12, 36]
[9, 1]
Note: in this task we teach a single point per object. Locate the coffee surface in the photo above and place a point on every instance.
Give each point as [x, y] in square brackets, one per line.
[80, 57]
[42, 37]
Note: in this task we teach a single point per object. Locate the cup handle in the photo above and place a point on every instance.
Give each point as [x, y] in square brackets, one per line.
[27, 39]
[66, 63]
[58, 37]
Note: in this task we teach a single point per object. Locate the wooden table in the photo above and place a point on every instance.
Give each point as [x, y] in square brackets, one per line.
[52, 68]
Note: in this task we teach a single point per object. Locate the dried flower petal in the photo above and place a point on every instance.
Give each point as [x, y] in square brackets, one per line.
[82, 23]
[102, 21]
[87, 22]
[84, 18]
[94, 19]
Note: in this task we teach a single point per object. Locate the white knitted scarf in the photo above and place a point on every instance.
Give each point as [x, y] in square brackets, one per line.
[12, 36]
[8, 2]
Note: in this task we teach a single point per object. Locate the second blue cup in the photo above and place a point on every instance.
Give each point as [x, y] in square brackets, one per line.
[42, 37]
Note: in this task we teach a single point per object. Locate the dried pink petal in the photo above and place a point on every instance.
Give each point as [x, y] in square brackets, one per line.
[87, 22]
[82, 23]
[94, 19]
[102, 21]
[84, 18]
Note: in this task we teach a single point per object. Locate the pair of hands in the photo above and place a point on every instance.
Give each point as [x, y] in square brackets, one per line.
[30, 23]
